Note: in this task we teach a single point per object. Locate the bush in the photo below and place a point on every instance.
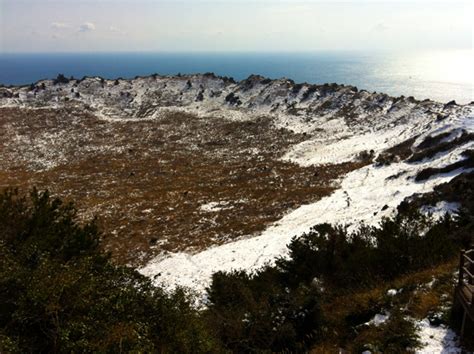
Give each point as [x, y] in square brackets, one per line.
[233, 99]
[385, 159]
[408, 242]
[311, 89]
[253, 313]
[61, 79]
[396, 335]
[60, 293]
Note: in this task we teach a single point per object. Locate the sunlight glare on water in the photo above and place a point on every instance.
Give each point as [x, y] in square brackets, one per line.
[430, 74]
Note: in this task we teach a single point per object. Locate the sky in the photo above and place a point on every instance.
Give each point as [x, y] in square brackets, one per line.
[233, 25]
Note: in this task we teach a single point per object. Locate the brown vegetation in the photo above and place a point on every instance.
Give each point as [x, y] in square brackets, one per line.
[149, 178]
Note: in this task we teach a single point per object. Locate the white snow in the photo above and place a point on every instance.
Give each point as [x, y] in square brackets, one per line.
[392, 292]
[437, 339]
[434, 339]
[441, 209]
[342, 149]
[215, 206]
[379, 318]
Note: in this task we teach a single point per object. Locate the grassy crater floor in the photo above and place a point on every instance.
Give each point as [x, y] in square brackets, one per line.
[176, 182]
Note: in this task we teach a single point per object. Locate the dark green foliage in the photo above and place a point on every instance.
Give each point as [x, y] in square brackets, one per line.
[396, 335]
[233, 99]
[404, 244]
[436, 147]
[311, 89]
[384, 159]
[466, 163]
[61, 79]
[59, 293]
[433, 140]
[254, 313]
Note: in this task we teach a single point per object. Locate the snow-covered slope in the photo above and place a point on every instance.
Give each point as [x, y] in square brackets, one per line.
[365, 195]
[324, 112]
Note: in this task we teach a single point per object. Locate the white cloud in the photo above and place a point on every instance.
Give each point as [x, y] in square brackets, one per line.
[59, 25]
[116, 30]
[86, 27]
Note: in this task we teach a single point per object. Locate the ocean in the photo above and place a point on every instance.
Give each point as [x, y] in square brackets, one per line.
[441, 76]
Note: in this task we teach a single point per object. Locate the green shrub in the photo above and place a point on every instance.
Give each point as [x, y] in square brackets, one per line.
[254, 313]
[61, 79]
[396, 335]
[408, 242]
[60, 293]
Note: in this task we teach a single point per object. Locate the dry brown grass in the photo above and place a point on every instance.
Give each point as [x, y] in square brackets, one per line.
[419, 296]
[147, 180]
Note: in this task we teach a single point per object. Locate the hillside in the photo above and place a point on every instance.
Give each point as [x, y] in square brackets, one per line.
[184, 163]
[192, 175]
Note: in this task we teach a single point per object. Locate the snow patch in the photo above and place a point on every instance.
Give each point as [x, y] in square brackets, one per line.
[437, 339]
[392, 292]
[440, 209]
[379, 319]
[215, 206]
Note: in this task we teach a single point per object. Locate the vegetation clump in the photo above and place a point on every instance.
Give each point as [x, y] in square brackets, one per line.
[434, 147]
[233, 99]
[408, 242]
[61, 79]
[60, 293]
[466, 163]
[311, 89]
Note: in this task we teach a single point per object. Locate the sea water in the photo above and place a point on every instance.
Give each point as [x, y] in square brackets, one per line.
[441, 76]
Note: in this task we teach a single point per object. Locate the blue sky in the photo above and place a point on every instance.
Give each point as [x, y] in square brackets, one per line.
[239, 25]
